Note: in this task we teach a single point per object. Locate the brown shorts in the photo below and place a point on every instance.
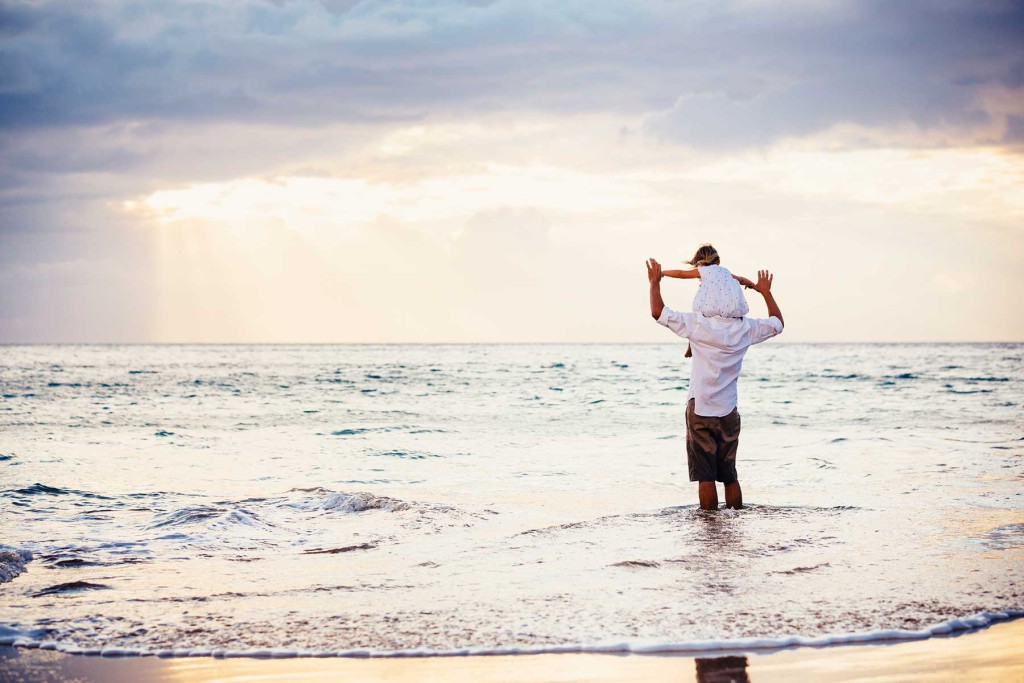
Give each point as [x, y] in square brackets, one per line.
[711, 444]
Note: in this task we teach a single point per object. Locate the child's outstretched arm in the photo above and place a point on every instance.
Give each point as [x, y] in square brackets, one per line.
[682, 274]
[742, 280]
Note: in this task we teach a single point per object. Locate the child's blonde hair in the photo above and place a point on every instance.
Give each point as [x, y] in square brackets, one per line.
[706, 255]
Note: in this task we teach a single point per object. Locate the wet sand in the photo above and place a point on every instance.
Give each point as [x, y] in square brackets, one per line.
[990, 654]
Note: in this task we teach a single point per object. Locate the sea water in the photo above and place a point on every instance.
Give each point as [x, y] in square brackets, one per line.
[425, 499]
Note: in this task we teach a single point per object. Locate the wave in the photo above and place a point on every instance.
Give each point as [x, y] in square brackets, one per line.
[62, 562]
[636, 564]
[693, 510]
[44, 490]
[12, 562]
[345, 549]
[70, 587]
[359, 431]
[983, 379]
[217, 516]
[434, 515]
[404, 455]
[339, 501]
[956, 625]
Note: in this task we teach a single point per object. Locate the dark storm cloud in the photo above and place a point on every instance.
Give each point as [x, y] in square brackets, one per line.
[721, 73]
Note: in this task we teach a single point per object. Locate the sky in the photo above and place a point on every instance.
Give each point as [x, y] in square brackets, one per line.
[498, 171]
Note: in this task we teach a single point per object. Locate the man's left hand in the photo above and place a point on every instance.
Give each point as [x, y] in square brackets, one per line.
[653, 271]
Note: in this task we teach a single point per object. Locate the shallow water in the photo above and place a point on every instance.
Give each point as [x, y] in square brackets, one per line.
[336, 498]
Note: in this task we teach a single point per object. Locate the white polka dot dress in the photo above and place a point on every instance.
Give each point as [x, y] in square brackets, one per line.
[719, 294]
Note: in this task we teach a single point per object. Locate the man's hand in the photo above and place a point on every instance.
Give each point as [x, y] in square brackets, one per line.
[654, 277]
[653, 271]
[764, 287]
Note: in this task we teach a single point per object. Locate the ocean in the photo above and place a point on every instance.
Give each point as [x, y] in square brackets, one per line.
[421, 499]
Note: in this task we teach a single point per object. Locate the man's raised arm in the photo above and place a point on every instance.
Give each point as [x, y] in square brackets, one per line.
[654, 277]
[764, 286]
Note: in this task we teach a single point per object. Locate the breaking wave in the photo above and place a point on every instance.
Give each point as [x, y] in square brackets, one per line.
[12, 562]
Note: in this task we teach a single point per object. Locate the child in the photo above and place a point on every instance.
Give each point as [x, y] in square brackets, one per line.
[719, 293]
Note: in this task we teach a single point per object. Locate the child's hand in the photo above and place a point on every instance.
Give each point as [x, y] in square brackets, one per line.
[745, 282]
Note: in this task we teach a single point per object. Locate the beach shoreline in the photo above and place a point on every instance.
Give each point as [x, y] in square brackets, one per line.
[990, 653]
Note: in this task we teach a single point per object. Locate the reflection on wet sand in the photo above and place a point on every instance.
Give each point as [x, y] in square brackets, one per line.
[722, 670]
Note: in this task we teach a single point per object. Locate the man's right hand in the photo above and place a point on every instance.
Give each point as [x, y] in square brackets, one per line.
[653, 271]
[764, 282]
[764, 287]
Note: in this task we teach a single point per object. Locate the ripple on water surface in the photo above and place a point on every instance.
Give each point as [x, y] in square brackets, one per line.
[192, 499]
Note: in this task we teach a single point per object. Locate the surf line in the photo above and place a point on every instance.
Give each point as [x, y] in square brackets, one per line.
[957, 626]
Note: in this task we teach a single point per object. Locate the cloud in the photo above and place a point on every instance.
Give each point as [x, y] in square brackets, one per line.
[112, 98]
[924, 66]
[283, 154]
[722, 74]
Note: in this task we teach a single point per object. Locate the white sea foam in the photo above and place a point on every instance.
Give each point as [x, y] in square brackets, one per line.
[697, 647]
[12, 562]
[353, 502]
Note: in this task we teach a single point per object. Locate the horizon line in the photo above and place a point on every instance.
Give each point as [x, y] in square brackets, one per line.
[492, 343]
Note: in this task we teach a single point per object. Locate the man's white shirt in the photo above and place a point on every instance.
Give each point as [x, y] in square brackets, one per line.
[718, 346]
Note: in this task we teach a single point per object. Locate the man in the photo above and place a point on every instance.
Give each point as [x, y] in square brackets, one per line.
[712, 418]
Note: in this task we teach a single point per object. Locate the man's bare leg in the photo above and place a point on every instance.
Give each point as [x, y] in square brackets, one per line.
[733, 496]
[708, 493]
